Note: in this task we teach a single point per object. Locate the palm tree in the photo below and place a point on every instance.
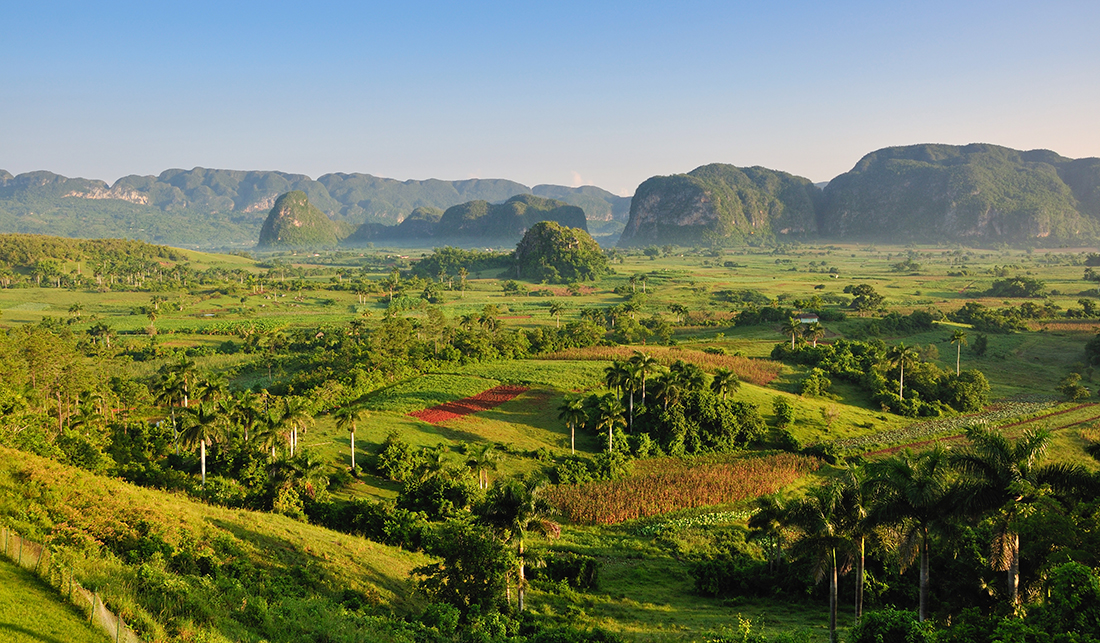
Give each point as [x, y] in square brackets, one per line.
[169, 392]
[609, 415]
[188, 373]
[792, 327]
[1004, 477]
[516, 508]
[668, 388]
[346, 417]
[247, 412]
[818, 518]
[645, 364]
[462, 274]
[556, 309]
[855, 504]
[572, 412]
[623, 376]
[482, 457]
[202, 425]
[902, 356]
[813, 332]
[913, 491]
[690, 376]
[295, 416]
[769, 522]
[958, 338]
[725, 381]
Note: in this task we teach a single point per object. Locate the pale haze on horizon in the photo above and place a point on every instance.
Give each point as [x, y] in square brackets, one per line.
[570, 93]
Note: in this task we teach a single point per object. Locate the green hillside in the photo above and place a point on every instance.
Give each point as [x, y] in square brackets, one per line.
[981, 192]
[157, 558]
[720, 204]
[295, 223]
[32, 612]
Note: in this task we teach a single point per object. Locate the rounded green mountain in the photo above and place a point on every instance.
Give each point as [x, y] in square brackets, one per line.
[295, 223]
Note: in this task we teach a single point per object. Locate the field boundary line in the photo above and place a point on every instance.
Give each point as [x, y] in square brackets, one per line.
[40, 560]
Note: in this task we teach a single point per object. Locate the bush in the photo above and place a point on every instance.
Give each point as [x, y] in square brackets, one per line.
[891, 626]
[784, 411]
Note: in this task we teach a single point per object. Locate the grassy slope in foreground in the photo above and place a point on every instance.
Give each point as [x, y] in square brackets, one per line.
[32, 612]
[177, 569]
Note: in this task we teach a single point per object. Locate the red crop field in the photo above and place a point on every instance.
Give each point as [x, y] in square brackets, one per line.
[483, 401]
[667, 484]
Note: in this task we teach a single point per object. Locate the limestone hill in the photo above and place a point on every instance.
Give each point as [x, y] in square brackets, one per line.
[295, 223]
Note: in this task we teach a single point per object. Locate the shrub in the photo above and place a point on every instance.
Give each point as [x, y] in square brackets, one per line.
[891, 626]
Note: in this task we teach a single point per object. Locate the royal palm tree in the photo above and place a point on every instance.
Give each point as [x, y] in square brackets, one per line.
[813, 332]
[792, 327]
[855, 524]
[481, 458]
[516, 508]
[769, 523]
[818, 517]
[725, 381]
[202, 425]
[609, 414]
[623, 376]
[170, 392]
[346, 417]
[668, 388]
[902, 356]
[556, 309]
[645, 365]
[913, 492]
[295, 417]
[1005, 478]
[572, 412]
[958, 338]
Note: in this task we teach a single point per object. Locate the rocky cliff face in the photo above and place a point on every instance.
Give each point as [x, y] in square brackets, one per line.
[720, 204]
[983, 193]
[295, 223]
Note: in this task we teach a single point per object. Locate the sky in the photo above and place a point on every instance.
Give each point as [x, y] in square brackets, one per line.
[570, 93]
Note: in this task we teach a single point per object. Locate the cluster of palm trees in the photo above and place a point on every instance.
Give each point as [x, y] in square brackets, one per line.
[203, 412]
[643, 375]
[907, 499]
[810, 332]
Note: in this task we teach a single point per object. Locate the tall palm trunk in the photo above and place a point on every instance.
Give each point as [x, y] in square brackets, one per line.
[519, 588]
[832, 596]
[353, 449]
[901, 382]
[958, 358]
[861, 578]
[1014, 569]
[202, 456]
[923, 613]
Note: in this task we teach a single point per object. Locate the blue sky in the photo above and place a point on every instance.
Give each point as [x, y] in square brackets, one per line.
[603, 93]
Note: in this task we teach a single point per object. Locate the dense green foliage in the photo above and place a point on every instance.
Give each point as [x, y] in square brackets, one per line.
[553, 253]
[981, 192]
[297, 224]
[720, 204]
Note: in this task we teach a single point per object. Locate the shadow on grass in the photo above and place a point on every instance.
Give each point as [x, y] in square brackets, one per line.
[281, 555]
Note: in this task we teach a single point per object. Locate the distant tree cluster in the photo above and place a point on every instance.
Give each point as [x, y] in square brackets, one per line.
[895, 376]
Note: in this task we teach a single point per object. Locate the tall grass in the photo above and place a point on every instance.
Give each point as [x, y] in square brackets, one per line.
[754, 371]
[667, 484]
